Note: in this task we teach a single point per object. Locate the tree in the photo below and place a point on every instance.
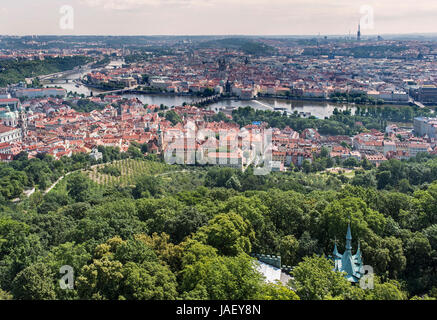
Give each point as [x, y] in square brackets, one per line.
[229, 233]
[132, 250]
[366, 164]
[218, 177]
[336, 216]
[254, 210]
[187, 221]
[165, 250]
[173, 117]
[351, 162]
[306, 166]
[148, 281]
[418, 252]
[314, 279]
[147, 186]
[363, 179]
[277, 291]
[144, 148]
[68, 253]
[78, 187]
[221, 278]
[100, 280]
[324, 153]
[53, 201]
[431, 234]
[5, 295]
[126, 270]
[383, 178]
[286, 211]
[76, 210]
[134, 152]
[307, 245]
[51, 228]
[390, 290]
[233, 183]
[405, 186]
[427, 204]
[288, 248]
[19, 248]
[397, 260]
[36, 282]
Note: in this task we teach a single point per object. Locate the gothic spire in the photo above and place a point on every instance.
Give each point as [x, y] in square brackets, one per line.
[349, 237]
[335, 249]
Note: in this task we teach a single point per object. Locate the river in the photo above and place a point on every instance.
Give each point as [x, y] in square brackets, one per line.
[306, 108]
[314, 108]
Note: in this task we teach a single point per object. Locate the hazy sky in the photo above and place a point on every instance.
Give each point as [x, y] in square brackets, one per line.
[203, 17]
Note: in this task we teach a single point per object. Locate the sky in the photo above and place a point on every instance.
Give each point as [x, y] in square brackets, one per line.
[216, 17]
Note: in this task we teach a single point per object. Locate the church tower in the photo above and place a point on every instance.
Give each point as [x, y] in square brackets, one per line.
[160, 137]
[22, 122]
[347, 262]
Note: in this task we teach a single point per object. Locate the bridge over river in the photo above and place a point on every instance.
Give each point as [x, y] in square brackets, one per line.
[63, 75]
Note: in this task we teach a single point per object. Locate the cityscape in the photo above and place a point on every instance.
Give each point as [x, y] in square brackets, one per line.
[39, 116]
[218, 167]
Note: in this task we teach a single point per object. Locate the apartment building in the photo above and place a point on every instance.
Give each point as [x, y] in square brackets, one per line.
[425, 127]
[39, 93]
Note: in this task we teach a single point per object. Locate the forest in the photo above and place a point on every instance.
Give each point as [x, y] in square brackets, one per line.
[247, 45]
[14, 71]
[178, 232]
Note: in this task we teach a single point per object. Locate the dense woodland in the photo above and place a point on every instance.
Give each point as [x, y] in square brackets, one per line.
[190, 234]
[14, 71]
[248, 46]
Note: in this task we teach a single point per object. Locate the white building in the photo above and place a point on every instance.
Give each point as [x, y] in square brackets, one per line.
[270, 267]
[96, 155]
[9, 134]
[389, 95]
[40, 93]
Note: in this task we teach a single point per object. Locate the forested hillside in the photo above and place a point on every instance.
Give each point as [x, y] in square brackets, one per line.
[190, 233]
[14, 71]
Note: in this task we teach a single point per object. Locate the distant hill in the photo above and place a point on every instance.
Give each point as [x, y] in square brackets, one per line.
[249, 46]
[13, 71]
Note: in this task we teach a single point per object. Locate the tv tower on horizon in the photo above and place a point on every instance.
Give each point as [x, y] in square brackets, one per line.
[359, 32]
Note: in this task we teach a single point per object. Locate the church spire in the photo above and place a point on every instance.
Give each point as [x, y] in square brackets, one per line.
[349, 237]
[335, 249]
[347, 262]
[358, 253]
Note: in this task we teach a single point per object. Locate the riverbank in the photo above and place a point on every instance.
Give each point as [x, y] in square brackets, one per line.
[315, 99]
